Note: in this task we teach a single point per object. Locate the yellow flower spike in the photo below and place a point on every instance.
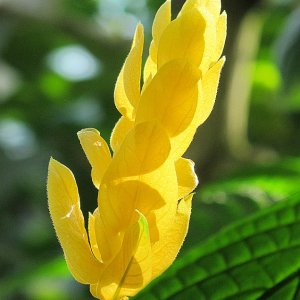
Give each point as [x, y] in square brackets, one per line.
[127, 90]
[144, 189]
[69, 223]
[97, 153]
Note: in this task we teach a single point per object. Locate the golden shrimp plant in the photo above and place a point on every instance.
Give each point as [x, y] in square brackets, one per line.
[145, 186]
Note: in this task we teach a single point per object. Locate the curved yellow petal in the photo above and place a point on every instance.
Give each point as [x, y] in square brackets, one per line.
[192, 4]
[213, 6]
[97, 153]
[207, 90]
[160, 22]
[183, 38]
[210, 84]
[181, 142]
[166, 249]
[68, 222]
[150, 68]
[210, 10]
[127, 89]
[93, 290]
[92, 236]
[171, 97]
[118, 203]
[141, 176]
[145, 148]
[131, 269]
[186, 177]
[109, 243]
[210, 36]
[119, 132]
[147, 193]
[153, 51]
[221, 36]
[160, 218]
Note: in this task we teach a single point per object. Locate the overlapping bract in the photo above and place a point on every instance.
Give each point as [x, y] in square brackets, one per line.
[144, 199]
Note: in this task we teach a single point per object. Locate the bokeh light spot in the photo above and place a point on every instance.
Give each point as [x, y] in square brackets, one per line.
[74, 63]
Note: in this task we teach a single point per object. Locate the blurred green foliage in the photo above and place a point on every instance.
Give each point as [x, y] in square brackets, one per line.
[58, 68]
[81, 8]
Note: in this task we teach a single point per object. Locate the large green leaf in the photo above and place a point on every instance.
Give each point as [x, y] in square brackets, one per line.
[258, 258]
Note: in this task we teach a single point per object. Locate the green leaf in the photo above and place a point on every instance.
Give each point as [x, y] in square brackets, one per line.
[257, 258]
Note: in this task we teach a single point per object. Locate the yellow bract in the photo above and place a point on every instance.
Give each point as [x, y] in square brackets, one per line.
[97, 153]
[145, 187]
[127, 90]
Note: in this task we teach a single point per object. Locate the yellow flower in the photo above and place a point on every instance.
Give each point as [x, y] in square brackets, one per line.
[144, 198]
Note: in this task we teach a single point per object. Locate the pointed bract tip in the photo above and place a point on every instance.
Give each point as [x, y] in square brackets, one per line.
[139, 26]
[188, 199]
[92, 130]
[52, 161]
[224, 13]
